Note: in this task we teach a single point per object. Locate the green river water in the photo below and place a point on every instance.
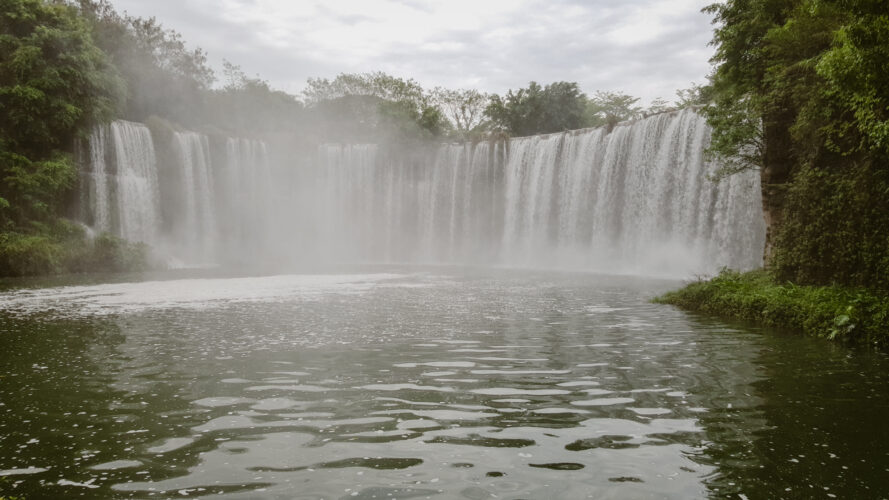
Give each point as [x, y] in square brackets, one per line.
[390, 382]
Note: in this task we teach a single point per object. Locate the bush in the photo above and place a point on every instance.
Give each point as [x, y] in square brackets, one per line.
[837, 228]
[855, 315]
[65, 248]
[106, 253]
[28, 255]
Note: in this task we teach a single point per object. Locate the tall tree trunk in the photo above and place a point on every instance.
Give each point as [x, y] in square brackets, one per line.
[775, 175]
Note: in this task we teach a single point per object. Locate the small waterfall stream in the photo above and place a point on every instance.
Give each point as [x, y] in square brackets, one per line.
[196, 228]
[637, 200]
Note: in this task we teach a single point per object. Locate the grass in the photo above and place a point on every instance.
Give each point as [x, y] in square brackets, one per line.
[852, 315]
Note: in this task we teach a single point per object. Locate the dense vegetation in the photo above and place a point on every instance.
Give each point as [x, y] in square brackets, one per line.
[833, 312]
[800, 92]
[54, 82]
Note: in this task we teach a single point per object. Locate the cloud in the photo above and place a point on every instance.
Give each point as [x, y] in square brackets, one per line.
[647, 48]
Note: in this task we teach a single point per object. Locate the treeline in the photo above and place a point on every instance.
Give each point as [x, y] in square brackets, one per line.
[356, 106]
[800, 91]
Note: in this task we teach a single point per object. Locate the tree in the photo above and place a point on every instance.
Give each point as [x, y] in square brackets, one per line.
[374, 105]
[855, 69]
[799, 92]
[163, 76]
[695, 95]
[465, 108]
[246, 105]
[54, 84]
[658, 105]
[376, 84]
[610, 108]
[556, 107]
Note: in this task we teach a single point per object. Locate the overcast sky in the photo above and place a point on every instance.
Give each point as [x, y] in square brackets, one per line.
[647, 48]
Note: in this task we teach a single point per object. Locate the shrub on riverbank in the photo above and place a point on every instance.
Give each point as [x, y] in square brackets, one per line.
[66, 249]
[832, 312]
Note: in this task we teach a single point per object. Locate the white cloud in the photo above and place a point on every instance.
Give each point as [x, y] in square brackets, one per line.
[647, 48]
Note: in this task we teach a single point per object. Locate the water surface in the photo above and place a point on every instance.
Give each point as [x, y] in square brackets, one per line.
[423, 383]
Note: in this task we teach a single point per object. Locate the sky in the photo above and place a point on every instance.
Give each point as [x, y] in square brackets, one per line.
[645, 48]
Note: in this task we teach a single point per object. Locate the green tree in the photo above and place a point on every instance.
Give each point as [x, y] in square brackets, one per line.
[695, 95]
[247, 106]
[855, 69]
[465, 108]
[658, 105]
[800, 93]
[533, 110]
[163, 76]
[610, 108]
[373, 106]
[767, 102]
[54, 84]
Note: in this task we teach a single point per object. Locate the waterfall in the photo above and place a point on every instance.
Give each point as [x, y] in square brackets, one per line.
[120, 176]
[245, 202]
[636, 199]
[195, 228]
[137, 189]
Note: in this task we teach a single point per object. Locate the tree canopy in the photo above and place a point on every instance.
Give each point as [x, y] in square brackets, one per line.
[799, 91]
[610, 108]
[54, 82]
[538, 110]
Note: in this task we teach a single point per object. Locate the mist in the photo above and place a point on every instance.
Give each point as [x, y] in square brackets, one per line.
[633, 200]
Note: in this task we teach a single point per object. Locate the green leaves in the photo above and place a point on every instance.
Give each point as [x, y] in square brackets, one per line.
[533, 110]
[610, 108]
[832, 312]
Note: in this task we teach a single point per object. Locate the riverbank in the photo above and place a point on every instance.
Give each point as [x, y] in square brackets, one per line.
[845, 314]
[65, 248]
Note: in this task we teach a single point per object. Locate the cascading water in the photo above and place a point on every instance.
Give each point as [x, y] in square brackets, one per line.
[137, 189]
[245, 200]
[636, 199]
[195, 228]
[122, 184]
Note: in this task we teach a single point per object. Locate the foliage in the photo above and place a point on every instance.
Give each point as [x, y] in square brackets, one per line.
[838, 229]
[64, 248]
[29, 254]
[610, 108]
[369, 106]
[658, 105]
[377, 84]
[695, 95]
[54, 83]
[53, 79]
[163, 76]
[832, 312]
[855, 70]
[800, 92]
[105, 253]
[250, 105]
[465, 108]
[556, 107]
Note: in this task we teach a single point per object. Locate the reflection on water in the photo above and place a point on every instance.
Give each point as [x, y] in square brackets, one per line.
[410, 384]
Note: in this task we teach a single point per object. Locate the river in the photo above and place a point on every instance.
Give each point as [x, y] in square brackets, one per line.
[422, 382]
